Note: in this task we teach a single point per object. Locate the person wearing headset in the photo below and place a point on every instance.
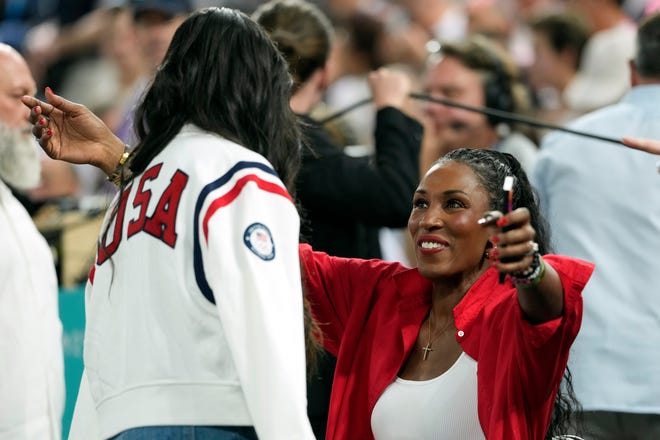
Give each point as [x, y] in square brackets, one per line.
[479, 73]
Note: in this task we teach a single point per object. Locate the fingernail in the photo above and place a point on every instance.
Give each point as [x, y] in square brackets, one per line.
[494, 253]
[502, 222]
[37, 110]
[48, 89]
[49, 132]
[495, 239]
[42, 122]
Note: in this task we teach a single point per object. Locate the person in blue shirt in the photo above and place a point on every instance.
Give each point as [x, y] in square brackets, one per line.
[603, 205]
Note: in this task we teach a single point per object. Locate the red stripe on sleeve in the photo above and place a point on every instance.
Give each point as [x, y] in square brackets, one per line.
[229, 197]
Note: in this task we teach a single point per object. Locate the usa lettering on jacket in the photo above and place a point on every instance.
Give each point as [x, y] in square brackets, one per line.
[160, 223]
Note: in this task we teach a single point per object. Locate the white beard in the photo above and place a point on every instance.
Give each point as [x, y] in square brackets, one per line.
[20, 162]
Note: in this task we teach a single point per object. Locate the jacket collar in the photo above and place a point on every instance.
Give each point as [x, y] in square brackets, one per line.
[415, 300]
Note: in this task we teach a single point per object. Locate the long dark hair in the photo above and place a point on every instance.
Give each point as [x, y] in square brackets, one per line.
[223, 74]
[491, 167]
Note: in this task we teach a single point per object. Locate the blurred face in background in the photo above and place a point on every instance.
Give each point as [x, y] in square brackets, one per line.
[451, 79]
[154, 34]
[19, 156]
[122, 46]
[542, 71]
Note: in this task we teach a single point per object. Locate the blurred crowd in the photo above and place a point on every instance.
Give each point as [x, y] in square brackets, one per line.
[564, 58]
[560, 63]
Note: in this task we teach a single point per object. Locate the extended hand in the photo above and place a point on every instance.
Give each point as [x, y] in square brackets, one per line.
[514, 247]
[71, 132]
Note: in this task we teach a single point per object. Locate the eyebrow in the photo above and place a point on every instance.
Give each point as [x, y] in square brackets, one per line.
[445, 193]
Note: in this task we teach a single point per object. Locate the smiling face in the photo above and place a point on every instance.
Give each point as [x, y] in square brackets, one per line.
[443, 224]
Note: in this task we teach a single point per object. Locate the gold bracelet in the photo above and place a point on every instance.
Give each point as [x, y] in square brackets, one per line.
[116, 175]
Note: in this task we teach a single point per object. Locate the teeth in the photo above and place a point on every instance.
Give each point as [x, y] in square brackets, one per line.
[431, 245]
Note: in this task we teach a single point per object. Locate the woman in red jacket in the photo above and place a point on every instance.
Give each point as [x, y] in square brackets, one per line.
[453, 349]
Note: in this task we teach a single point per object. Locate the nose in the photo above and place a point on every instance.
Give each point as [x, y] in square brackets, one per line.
[431, 220]
[26, 113]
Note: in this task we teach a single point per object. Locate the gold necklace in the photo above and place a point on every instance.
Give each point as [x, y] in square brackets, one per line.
[429, 342]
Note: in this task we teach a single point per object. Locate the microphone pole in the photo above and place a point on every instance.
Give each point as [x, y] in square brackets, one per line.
[508, 116]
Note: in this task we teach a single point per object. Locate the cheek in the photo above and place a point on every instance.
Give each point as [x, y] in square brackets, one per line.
[464, 225]
[474, 96]
[413, 224]
[469, 232]
[5, 109]
[13, 113]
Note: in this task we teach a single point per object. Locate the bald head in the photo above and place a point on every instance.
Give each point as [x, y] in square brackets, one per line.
[15, 81]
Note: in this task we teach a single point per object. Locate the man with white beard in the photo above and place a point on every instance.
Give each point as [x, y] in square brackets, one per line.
[31, 358]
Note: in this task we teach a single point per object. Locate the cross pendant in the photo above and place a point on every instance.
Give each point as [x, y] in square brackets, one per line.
[426, 349]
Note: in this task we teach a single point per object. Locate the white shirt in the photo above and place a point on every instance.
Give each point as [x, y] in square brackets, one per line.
[31, 357]
[443, 408]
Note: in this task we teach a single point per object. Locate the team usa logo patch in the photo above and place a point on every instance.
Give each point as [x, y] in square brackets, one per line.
[258, 239]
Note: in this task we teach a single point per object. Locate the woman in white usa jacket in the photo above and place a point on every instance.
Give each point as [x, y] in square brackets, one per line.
[194, 306]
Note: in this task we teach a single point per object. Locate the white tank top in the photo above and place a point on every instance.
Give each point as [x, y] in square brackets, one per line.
[443, 408]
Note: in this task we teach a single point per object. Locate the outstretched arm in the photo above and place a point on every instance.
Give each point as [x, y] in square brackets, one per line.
[71, 132]
[540, 293]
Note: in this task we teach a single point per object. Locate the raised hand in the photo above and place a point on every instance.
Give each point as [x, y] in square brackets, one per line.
[390, 88]
[514, 248]
[71, 132]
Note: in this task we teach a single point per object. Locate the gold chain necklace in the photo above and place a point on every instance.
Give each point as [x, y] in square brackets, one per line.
[427, 348]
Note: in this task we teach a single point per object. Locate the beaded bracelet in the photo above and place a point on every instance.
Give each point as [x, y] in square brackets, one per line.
[533, 275]
[116, 175]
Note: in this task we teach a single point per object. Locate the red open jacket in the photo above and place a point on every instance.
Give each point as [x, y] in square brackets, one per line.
[370, 312]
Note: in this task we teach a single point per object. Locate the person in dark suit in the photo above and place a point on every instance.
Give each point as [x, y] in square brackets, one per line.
[344, 200]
